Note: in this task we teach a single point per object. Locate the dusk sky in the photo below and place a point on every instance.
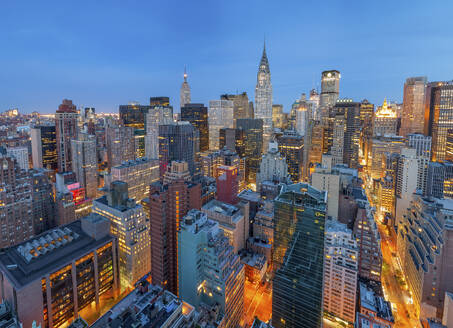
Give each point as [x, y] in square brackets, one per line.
[106, 53]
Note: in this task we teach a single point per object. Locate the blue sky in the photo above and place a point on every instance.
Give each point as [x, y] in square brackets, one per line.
[107, 53]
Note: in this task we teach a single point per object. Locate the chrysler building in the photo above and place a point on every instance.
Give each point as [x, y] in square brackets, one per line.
[263, 98]
[185, 92]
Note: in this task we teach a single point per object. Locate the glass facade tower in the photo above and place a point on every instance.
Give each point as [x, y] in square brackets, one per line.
[299, 220]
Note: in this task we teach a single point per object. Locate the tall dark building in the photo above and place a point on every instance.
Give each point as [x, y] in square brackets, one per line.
[253, 137]
[66, 130]
[197, 115]
[159, 101]
[233, 140]
[350, 112]
[439, 116]
[43, 205]
[291, 145]
[44, 147]
[120, 144]
[134, 115]
[178, 142]
[299, 220]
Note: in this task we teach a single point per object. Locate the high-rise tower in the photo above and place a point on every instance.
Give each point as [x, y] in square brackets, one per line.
[185, 91]
[263, 98]
[66, 130]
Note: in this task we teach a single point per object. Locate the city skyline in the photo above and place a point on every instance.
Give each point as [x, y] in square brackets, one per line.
[107, 56]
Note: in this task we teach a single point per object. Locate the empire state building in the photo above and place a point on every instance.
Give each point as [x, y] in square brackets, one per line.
[263, 98]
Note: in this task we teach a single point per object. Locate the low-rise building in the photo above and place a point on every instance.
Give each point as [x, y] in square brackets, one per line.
[374, 307]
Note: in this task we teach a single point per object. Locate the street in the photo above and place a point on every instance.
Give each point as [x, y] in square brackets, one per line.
[257, 302]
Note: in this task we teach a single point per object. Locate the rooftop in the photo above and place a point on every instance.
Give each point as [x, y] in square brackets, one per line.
[375, 303]
[47, 252]
[221, 208]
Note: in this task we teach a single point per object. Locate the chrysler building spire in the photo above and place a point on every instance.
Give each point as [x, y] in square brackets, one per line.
[185, 91]
[263, 97]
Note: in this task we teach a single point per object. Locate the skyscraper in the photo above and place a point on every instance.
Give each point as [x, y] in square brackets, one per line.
[84, 163]
[178, 141]
[347, 132]
[209, 270]
[197, 115]
[159, 113]
[330, 91]
[340, 271]
[42, 201]
[439, 116]
[227, 184]
[263, 98]
[129, 223]
[133, 115]
[233, 140]
[299, 220]
[66, 130]
[44, 147]
[242, 107]
[385, 120]
[273, 167]
[120, 144]
[412, 120]
[16, 203]
[253, 132]
[291, 146]
[220, 115]
[184, 94]
[165, 207]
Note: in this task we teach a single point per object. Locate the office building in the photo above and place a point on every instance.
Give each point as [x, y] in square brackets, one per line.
[130, 225]
[177, 170]
[278, 117]
[347, 132]
[84, 163]
[220, 115]
[227, 184]
[43, 204]
[340, 271]
[440, 180]
[253, 137]
[412, 120]
[232, 219]
[165, 207]
[313, 147]
[330, 90]
[328, 180]
[425, 240]
[385, 120]
[263, 98]
[366, 130]
[233, 140]
[65, 130]
[120, 144]
[438, 116]
[381, 145]
[133, 115]
[44, 147]
[160, 113]
[16, 210]
[20, 154]
[178, 141]
[184, 93]
[210, 271]
[368, 238]
[52, 277]
[242, 108]
[291, 146]
[299, 220]
[273, 167]
[422, 145]
[197, 115]
[138, 174]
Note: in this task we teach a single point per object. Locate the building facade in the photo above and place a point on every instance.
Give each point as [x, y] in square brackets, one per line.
[412, 120]
[84, 163]
[220, 115]
[44, 147]
[299, 220]
[65, 130]
[197, 115]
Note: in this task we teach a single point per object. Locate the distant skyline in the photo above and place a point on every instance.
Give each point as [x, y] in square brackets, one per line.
[106, 53]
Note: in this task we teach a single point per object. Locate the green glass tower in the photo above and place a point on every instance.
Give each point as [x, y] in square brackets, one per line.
[299, 219]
